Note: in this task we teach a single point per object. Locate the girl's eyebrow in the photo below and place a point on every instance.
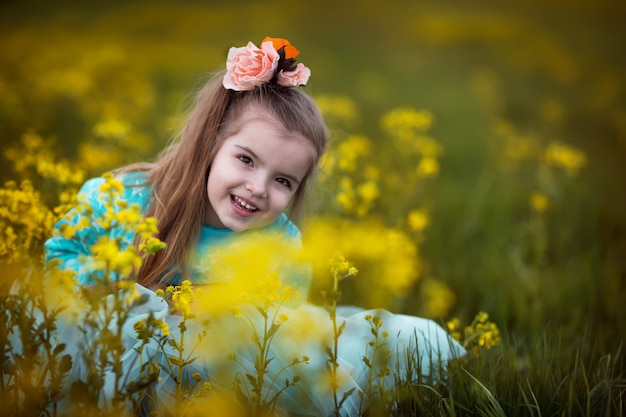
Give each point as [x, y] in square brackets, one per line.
[255, 156]
[250, 151]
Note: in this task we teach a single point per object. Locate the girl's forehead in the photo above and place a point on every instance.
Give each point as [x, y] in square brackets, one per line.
[251, 113]
[254, 115]
[262, 133]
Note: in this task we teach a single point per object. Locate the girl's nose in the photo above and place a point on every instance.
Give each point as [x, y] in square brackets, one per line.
[257, 187]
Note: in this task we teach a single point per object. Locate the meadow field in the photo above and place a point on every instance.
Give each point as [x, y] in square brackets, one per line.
[475, 174]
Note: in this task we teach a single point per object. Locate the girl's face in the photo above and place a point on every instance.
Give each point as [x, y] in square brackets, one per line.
[256, 172]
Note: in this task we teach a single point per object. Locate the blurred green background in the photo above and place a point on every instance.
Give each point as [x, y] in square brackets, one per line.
[554, 70]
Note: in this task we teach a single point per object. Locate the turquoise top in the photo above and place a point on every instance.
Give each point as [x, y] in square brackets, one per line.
[74, 253]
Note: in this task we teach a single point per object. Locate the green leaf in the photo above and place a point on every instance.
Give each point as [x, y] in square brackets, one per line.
[65, 364]
[345, 396]
[340, 330]
[272, 330]
[174, 361]
[58, 349]
[251, 379]
[329, 352]
[367, 362]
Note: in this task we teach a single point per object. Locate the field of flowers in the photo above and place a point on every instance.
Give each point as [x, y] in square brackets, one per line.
[475, 177]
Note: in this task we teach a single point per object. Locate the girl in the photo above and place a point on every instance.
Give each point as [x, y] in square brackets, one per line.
[244, 157]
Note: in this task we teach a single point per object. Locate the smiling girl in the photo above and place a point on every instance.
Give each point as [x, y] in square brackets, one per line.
[242, 161]
[245, 156]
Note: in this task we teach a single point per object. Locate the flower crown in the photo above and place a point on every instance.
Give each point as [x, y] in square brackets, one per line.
[275, 61]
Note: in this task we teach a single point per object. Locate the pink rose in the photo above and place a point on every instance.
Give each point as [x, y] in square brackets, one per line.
[294, 78]
[248, 67]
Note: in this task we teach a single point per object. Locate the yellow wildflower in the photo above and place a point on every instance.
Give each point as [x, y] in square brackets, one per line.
[368, 191]
[339, 108]
[258, 268]
[113, 128]
[539, 202]
[438, 298]
[341, 268]
[350, 150]
[404, 122]
[388, 258]
[418, 220]
[428, 167]
[566, 157]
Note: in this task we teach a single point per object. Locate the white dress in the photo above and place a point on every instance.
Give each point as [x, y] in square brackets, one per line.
[298, 353]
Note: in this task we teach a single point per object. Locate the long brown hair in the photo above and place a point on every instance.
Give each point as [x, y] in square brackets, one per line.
[179, 177]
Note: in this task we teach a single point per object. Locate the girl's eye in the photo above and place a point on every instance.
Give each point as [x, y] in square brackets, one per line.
[284, 182]
[245, 159]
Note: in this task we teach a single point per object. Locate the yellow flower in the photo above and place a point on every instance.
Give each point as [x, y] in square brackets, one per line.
[539, 202]
[25, 222]
[340, 108]
[368, 191]
[482, 317]
[418, 220]
[428, 167]
[182, 297]
[111, 128]
[346, 197]
[350, 150]
[259, 268]
[387, 258]
[109, 257]
[403, 122]
[439, 298]
[339, 267]
[566, 157]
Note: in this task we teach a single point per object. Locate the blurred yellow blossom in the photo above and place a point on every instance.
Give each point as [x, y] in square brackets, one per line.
[368, 191]
[418, 220]
[350, 150]
[438, 298]
[516, 147]
[338, 109]
[427, 146]
[427, 167]
[265, 269]
[111, 128]
[110, 257]
[454, 328]
[346, 197]
[25, 222]
[356, 200]
[403, 122]
[388, 258]
[566, 157]
[539, 202]
[33, 152]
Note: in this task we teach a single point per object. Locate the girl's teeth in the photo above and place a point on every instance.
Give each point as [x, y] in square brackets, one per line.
[244, 204]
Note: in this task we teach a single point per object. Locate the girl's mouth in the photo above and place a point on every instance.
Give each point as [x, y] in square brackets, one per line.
[243, 205]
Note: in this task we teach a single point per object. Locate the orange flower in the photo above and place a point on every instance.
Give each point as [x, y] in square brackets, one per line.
[290, 51]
